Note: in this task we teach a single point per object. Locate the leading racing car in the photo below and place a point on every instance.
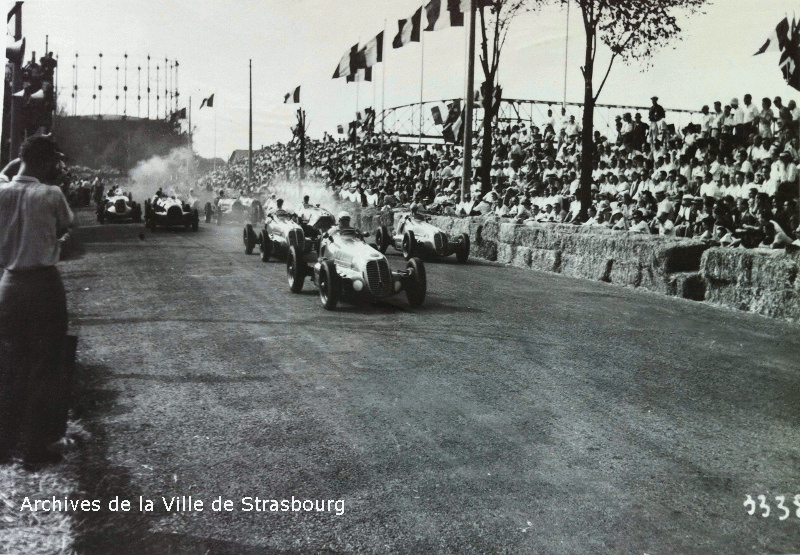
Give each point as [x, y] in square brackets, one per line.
[347, 266]
[414, 235]
[170, 212]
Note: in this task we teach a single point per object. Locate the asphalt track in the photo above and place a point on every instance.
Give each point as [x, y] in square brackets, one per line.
[516, 412]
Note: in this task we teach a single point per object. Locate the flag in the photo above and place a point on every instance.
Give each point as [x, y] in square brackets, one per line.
[294, 95]
[340, 129]
[14, 11]
[776, 40]
[454, 122]
[360, 75]
[451, 16]
[408, 31]
[179, 114]
[207, 102]
[345, 67]
[786, 39]
[437, 115]
[373, 51]
[369, 119]
[477, 101]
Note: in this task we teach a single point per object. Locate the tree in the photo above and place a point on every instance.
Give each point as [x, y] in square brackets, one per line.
[632, 30]
[495, 19]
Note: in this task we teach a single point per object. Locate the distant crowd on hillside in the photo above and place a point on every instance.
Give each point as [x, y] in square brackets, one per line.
[731, 178]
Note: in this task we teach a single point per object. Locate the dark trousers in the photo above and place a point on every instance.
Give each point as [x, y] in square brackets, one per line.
[33, 388]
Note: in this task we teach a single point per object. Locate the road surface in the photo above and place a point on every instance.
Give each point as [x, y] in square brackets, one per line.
[516, 412]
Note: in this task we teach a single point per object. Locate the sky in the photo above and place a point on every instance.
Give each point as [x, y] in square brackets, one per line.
[300, 42]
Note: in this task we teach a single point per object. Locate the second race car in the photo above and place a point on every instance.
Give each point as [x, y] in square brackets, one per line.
[414, 235]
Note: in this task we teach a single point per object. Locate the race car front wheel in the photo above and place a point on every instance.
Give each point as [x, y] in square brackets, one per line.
[416, 282]
[195, 220]
[209, 211]
[249, 238]
[330, 285]
[409, 245]
[382, 239]
[295, 269]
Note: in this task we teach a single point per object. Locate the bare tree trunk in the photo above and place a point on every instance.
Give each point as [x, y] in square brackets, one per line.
[587, 140]
[486, 145]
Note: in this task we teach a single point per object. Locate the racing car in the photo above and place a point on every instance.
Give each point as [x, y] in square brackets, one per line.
[234, 210]
[170, 212]
[414, 235]
[283, 229]
[347, 266]
[118, 207]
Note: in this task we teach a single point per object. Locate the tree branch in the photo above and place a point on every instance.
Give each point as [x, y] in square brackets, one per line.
[602, 84]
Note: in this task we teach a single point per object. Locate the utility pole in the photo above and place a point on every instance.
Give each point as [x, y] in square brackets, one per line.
[466, 178]
[301, 131]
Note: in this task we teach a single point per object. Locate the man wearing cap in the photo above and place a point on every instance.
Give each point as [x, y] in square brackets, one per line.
[33, 305]
[738, 121]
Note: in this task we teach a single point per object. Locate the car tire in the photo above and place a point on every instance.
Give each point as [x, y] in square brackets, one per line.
[462, 254]
[101, 216]
[218, 217]
[295, 269]
[249, 238]
[265, 246]
[137, 213]
[382, 238]
[209, 211]
[417, 282]
[329, 284]
[409, 246]
[195, 220]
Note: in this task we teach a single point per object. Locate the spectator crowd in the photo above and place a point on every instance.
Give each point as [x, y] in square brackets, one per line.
[730, 177]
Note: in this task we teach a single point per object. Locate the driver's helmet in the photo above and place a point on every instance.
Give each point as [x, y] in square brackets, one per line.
[343, 218]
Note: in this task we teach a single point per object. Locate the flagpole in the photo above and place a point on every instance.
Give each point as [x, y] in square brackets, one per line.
[190, 123]
[383, 87]
[566, 56]
[466, 176]
[250, 143]
[421, 67]
[215, 138]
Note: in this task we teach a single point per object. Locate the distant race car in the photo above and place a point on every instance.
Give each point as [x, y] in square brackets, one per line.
[234, 210]
[347, 266]
[118, 207]
[170, 212]
[283, 229]
[414, 235]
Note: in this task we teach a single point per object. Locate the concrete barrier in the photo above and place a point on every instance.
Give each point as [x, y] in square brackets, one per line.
[762, 281]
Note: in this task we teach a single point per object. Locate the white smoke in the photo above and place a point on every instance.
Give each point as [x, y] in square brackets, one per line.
[174, 173]
[292, 193]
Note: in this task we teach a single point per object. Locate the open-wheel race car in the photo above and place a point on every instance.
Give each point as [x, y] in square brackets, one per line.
[283, 229]
[414, 235]
[348, 267]
[118, 207]
[170, 212]
[234, 210]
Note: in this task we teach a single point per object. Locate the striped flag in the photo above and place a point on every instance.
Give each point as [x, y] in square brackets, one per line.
[445, 13]
[437, 115]
[777, 39]
[373, 51]
[206, 102]
[786, 40]
[294, 96]
[408, 30]
[346, 67]
[364, 74]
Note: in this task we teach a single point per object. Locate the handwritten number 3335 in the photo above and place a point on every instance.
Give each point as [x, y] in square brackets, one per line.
[762, 506]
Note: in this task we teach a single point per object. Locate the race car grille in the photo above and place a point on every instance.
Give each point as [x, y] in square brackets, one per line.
[174, 213]
[119, 206]
[440, 242]
[296, 238]
[379, 277]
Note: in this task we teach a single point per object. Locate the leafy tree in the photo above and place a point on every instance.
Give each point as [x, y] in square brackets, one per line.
[632, 30]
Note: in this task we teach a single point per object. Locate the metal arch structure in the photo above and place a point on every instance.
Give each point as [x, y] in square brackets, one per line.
[405, 120]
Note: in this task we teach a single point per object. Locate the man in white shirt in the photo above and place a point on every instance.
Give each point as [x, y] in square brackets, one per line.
[33, 306]
[710, 188]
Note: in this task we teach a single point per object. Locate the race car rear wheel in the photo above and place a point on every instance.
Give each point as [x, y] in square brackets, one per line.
[409, 245]
[462, 254]
[382, 239]
[265, 246]
[137, 213]
[101, 215]
[330, 285]
[249, 238]
[195, 220]
[295, 269]
[218, 217]
[209, 211]
[416, 282]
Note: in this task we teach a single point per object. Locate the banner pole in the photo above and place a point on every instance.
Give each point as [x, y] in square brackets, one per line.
[466, 177]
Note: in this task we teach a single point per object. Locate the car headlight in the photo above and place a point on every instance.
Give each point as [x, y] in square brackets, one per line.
[358, 285]
[397, 285]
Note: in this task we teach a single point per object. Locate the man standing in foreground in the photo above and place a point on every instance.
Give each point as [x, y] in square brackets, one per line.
[33, 306]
